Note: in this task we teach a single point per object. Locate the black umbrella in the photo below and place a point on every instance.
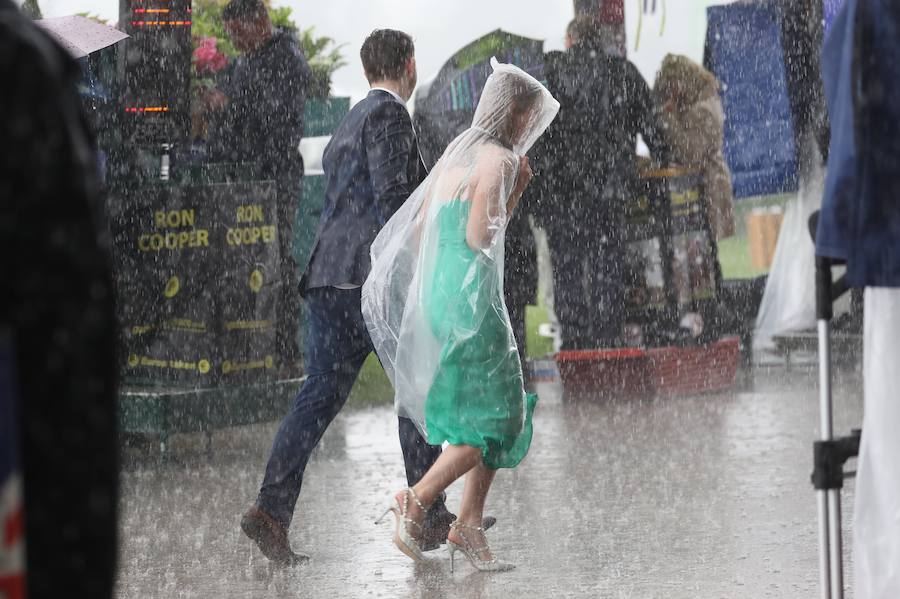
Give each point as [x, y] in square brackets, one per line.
[444, 108]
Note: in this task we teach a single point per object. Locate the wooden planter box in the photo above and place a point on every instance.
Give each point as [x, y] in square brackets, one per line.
[660, 371]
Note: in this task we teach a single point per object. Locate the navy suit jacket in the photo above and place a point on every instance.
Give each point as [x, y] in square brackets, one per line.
[371, 165]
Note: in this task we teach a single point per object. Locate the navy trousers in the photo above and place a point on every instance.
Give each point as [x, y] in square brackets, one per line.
[588, 287]
[337, 345]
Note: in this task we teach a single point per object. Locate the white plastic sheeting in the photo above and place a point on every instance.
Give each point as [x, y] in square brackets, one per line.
[876, 523]
[788, 303]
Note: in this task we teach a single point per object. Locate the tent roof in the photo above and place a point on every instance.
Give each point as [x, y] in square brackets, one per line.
[488, 45]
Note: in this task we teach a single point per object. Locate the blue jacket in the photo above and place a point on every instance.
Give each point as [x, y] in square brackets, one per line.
[371, 165]
[860, 220]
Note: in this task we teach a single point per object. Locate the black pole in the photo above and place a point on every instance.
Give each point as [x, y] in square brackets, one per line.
[824, 293]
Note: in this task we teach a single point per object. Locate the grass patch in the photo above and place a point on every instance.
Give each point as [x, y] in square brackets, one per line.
[734, 256]
[535, 345]
[372, 388]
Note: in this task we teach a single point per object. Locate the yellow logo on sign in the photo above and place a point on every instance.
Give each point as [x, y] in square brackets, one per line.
[203, 366]
[256, 281]
[685, 197]
[172, 287]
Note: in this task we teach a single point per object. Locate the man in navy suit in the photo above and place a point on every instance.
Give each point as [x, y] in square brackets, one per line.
[372, 165]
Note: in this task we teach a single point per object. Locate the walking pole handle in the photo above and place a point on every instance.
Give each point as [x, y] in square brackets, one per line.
[824, 290]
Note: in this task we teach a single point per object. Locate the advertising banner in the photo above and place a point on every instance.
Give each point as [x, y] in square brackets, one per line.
[197, 282]
[248, 280]
[164, 242]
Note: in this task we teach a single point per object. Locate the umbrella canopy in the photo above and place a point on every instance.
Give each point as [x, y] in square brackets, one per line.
[79, 35]
[444, 108]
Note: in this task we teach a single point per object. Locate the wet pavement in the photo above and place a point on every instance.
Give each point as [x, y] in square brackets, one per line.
[681, 498]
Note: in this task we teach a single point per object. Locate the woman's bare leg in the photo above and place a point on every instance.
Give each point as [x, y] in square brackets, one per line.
[471, 510]
[454, 461]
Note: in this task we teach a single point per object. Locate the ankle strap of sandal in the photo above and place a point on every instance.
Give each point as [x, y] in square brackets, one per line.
[404, 508]
[410, 492]
[458, 524]
[470, 546]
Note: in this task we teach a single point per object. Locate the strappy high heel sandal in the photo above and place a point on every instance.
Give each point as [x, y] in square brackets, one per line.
[472, 552]
[404, 541]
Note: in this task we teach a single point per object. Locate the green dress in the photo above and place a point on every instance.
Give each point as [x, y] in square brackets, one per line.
[477, 396]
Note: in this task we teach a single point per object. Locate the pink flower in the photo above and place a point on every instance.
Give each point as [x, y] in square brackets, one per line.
[207, 59]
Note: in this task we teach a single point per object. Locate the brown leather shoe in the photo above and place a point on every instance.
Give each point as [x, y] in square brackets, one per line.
[270, 537]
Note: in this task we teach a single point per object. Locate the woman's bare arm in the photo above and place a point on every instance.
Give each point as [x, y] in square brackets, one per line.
[493, 180]
[478, 233]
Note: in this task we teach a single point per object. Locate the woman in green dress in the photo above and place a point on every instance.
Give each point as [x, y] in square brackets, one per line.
[434, 307]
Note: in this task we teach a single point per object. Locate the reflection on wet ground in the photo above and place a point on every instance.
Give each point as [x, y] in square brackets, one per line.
[694, 497]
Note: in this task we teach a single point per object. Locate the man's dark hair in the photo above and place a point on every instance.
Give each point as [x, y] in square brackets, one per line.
[385, 53]
[242, 10]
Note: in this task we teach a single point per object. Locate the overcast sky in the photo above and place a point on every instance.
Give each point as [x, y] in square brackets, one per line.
[440, 27]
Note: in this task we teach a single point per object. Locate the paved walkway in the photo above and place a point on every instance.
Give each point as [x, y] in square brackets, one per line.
[686, 498]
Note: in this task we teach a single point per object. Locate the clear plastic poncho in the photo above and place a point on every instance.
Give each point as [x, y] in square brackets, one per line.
[480, 166]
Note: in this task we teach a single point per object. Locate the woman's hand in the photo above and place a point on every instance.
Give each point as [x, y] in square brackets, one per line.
[525, 175]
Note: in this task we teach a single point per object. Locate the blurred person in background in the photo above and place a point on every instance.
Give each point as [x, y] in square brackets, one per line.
[57, 319]
[588, 168]
[687, 100]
